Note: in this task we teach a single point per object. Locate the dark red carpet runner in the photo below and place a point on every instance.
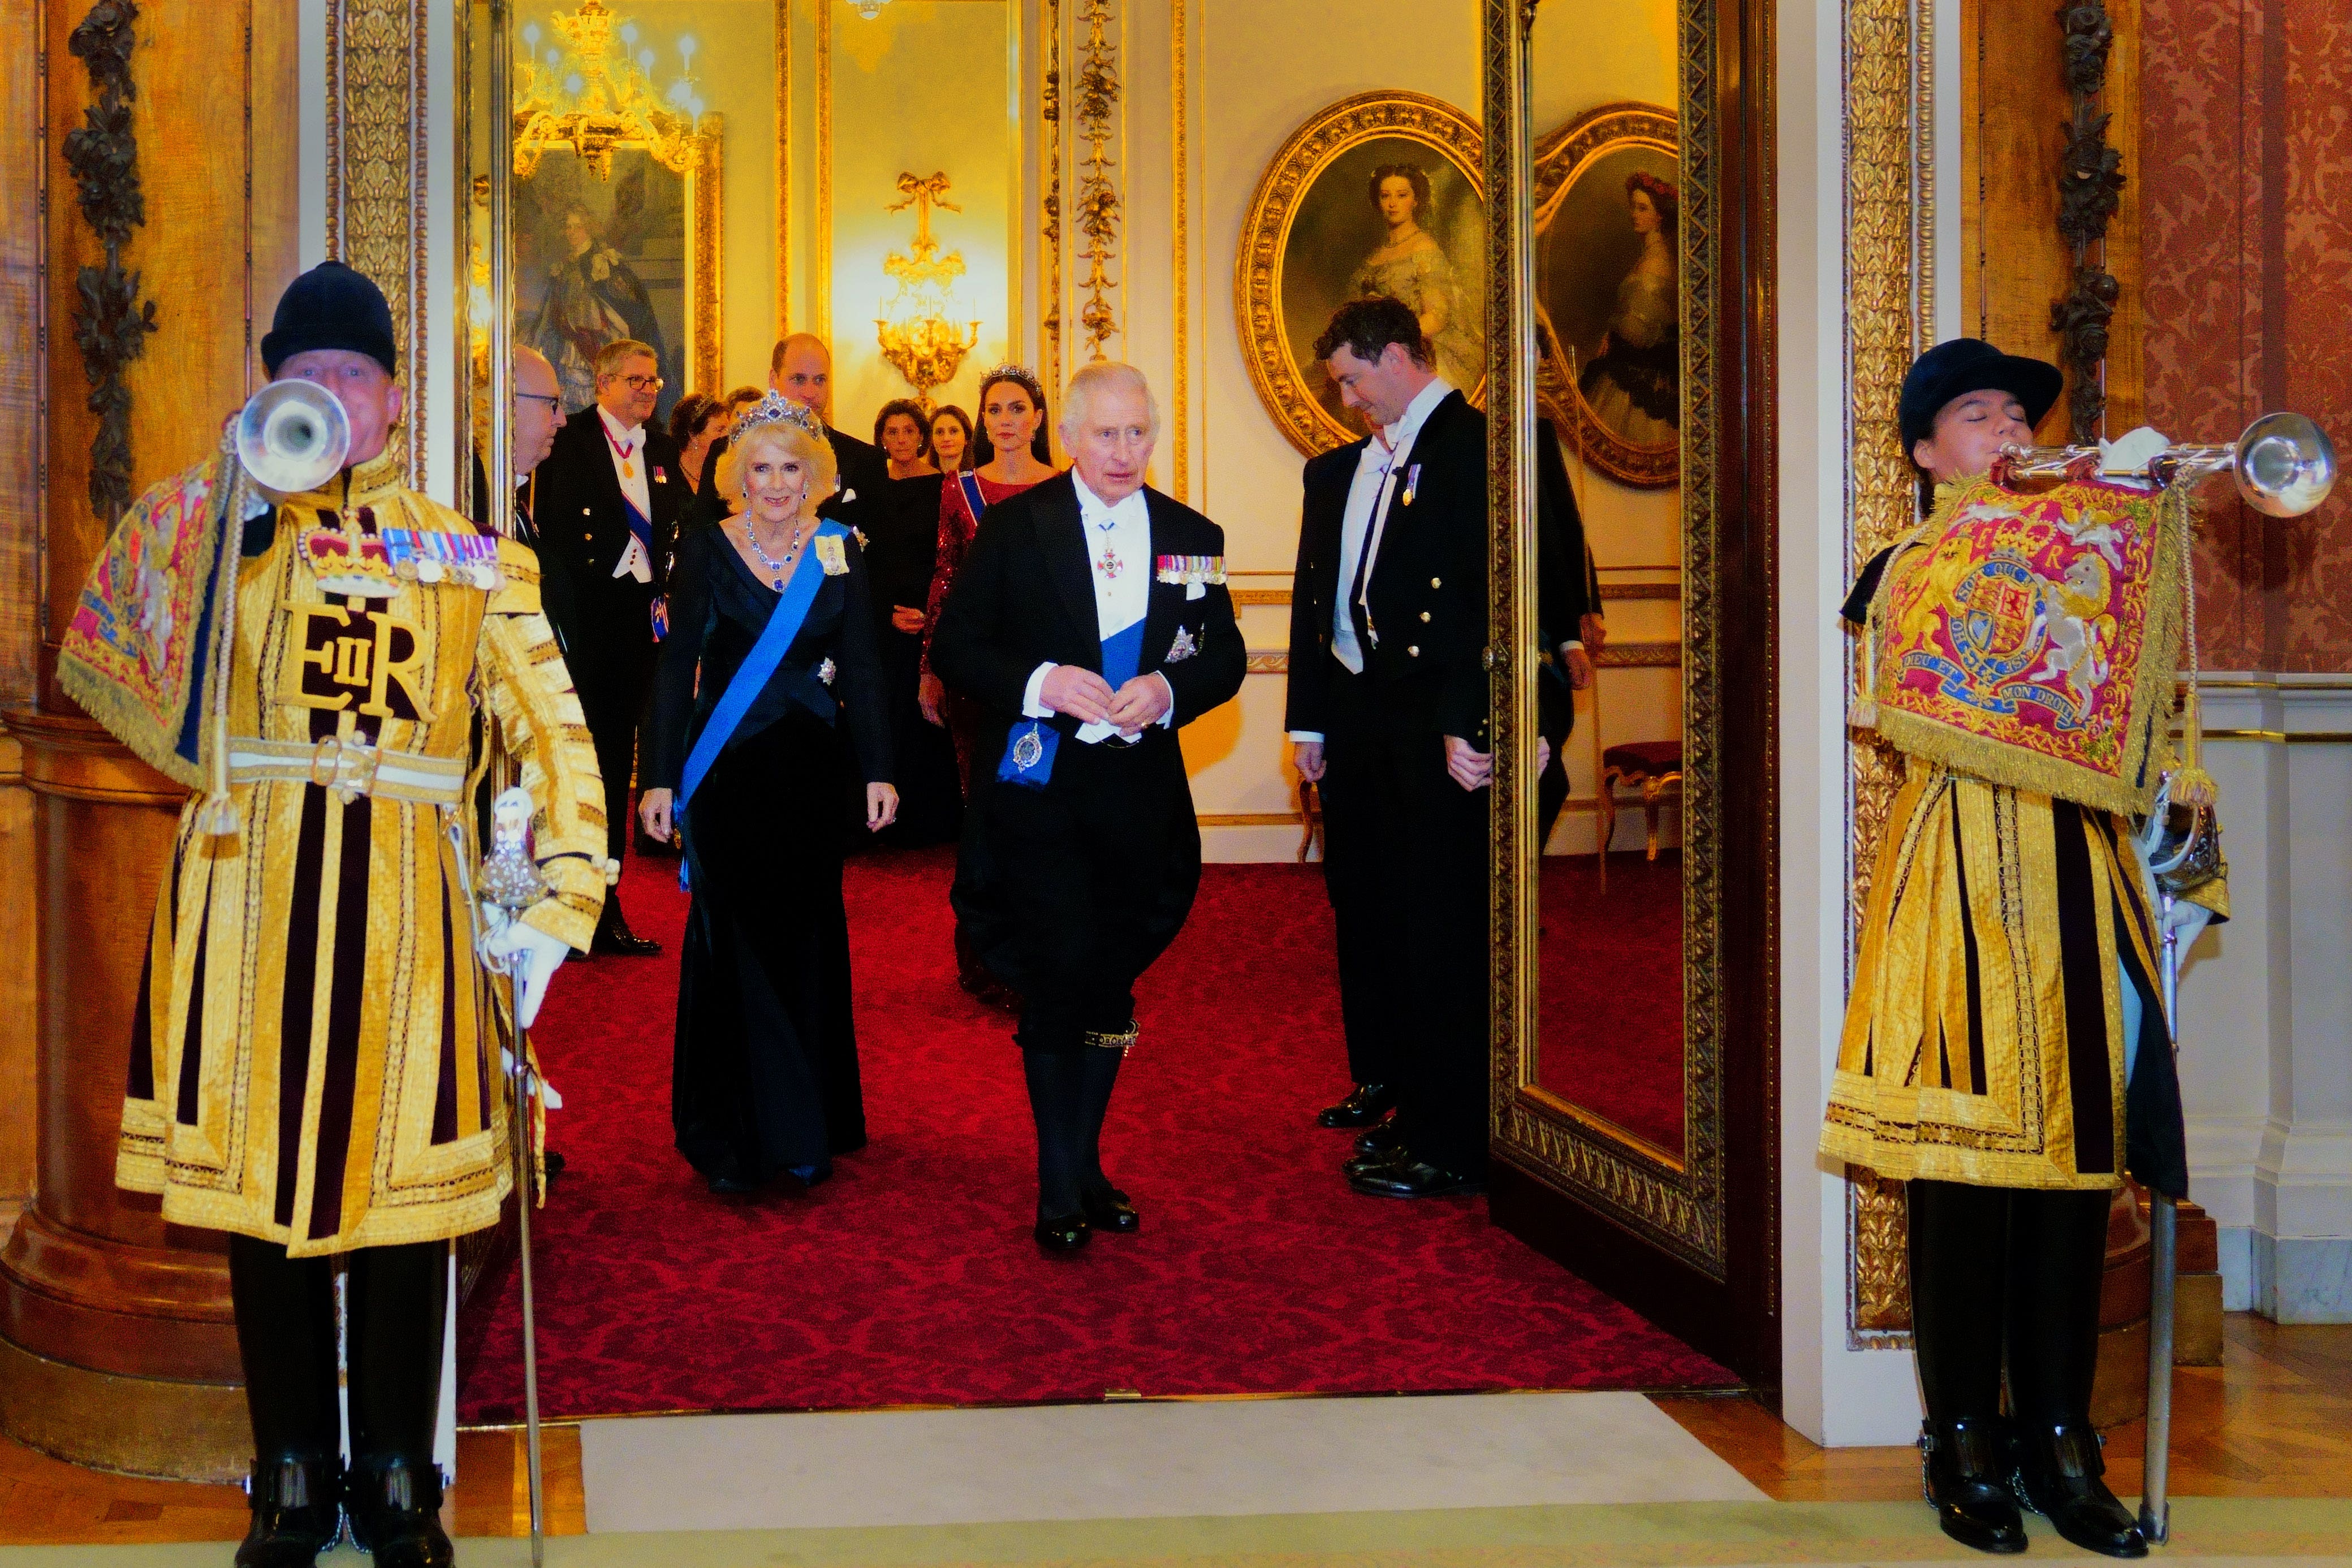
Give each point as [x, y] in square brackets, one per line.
[910, 1279]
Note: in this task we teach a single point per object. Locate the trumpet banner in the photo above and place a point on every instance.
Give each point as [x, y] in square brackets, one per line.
[2030, 638]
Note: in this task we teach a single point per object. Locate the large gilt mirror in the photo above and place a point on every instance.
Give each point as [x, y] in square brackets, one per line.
[1633, 1031]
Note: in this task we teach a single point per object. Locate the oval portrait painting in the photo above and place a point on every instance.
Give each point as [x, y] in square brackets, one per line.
[1607, 290]
[1376, 195]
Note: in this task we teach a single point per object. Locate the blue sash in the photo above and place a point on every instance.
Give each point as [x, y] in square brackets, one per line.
[972, 496]
[752, 676]
[1029, 750]
[638, 525]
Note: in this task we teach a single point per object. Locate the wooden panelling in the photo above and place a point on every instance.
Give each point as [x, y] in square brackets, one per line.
[18, 1042]
[2014, 107]
[20, 356]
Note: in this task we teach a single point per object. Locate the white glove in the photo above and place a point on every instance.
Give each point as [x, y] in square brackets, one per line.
[508, 942]
[2186, 921]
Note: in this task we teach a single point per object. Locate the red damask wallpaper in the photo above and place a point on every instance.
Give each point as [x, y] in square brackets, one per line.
[2246, 195]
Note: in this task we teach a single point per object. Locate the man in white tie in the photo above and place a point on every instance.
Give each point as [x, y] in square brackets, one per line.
[606, 508]
[1387, 711]
[1091, 622]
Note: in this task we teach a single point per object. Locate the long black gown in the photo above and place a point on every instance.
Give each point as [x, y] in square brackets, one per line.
[902, 528]
[764, 1078]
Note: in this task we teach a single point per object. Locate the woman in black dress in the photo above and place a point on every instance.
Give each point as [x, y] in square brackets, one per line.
[902, 536]
[764, 1079]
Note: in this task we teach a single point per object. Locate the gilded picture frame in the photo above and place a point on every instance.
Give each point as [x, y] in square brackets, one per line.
[1315, 236]
[1607, 328]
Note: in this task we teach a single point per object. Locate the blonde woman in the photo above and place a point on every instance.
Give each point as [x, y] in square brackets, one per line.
[771, 657]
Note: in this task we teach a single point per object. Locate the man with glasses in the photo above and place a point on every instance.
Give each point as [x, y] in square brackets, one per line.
[607, 510]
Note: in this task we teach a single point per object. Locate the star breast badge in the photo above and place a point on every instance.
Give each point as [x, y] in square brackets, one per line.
[1184, 647]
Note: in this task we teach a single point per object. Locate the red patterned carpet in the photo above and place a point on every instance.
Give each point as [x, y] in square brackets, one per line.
[910, 1278]
[1609, 991]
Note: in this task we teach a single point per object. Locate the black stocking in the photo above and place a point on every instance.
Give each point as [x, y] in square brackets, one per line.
[1057, 1100]
[398, 1301]
[1960, 1247]
[1101, 1071]
[285, 1338]
[2057, 1254]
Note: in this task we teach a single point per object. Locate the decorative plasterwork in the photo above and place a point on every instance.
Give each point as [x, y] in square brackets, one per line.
[1181, 118]
[1890, 169]
[376, 138]
[1098, 213]
[110, 323]
[1049, 233]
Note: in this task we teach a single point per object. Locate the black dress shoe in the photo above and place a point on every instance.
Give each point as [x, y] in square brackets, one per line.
[554, 1163]
[1406, 1177]
[1961, 1472]
[297, 1513]
[2056, 1471]
[396, 1508]
[1379, 1161]
[1062, 1232]
[1382, 1137]
[733, 1186]
[1361, 1109]
[1107, 1208]
[618, 941]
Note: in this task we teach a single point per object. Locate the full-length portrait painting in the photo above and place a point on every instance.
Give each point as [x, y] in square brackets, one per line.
[1376, 195]
[598, 259]
[1608, 218]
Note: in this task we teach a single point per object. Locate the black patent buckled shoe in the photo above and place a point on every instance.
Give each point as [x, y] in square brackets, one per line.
[395, 1509]
[297, 1512]
[2057, 1466]
[1062, 1232]
[1364, 1164]
[1107, 1208]
[1960, 1471]
[1367, 1105]
[1382, 1137]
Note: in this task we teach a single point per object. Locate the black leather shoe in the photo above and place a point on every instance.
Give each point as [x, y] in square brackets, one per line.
[2056, 1471]
[616, 940]
[1408, 1177]
[733, 1186]
[1062, 1232]
[1382, 1137]
[395, 1507]
[297, 1512]
[1382, 1161]
[1367, 1105]
[1961, 1472]
[1107, 1208]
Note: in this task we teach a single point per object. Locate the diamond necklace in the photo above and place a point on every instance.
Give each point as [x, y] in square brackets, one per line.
[782, 569]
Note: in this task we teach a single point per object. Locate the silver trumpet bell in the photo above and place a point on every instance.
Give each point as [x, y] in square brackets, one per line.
[2284, 466]
[292, 436]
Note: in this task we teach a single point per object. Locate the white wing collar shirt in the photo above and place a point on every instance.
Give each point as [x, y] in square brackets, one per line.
[1383, 459]
[1119, 556]
[628, 447]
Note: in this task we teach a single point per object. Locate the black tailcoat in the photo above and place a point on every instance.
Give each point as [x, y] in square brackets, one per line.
[581, 519]
[1404, 845]
[1085, 881]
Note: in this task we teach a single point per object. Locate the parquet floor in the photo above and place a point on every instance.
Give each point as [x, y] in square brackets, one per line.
[2274, 1420]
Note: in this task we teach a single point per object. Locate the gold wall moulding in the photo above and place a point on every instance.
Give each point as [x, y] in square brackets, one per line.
[1101, 210]
[376, 135]
[1608, 334]
[1316, 238]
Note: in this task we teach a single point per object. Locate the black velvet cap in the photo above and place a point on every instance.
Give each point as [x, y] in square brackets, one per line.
[1970, 364]
[332, 307]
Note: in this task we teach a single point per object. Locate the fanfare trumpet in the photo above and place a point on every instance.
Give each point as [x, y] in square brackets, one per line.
[2283, 465]
[292, 436]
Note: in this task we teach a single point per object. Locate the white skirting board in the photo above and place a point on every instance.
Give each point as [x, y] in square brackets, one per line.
[1142, 1459]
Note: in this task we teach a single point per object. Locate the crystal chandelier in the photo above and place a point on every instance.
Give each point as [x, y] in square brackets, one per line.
[606, 97]
[914, 330]
[869, 9]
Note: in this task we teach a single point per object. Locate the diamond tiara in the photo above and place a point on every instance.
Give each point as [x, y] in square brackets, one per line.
[776, 406]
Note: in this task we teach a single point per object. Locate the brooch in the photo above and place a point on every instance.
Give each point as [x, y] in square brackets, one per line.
[830, 555]
[825, 672]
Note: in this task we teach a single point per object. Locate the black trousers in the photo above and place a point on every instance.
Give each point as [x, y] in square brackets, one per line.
[2006, 1279]
[397, 1298]
[1091, 877]
[1405, 859]
[614, 684]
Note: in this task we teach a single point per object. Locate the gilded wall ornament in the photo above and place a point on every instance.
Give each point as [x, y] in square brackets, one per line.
[1379, 194]
[1099, 211]
[110, 323]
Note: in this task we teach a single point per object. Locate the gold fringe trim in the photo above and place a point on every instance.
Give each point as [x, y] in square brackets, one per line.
[2148, 746]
